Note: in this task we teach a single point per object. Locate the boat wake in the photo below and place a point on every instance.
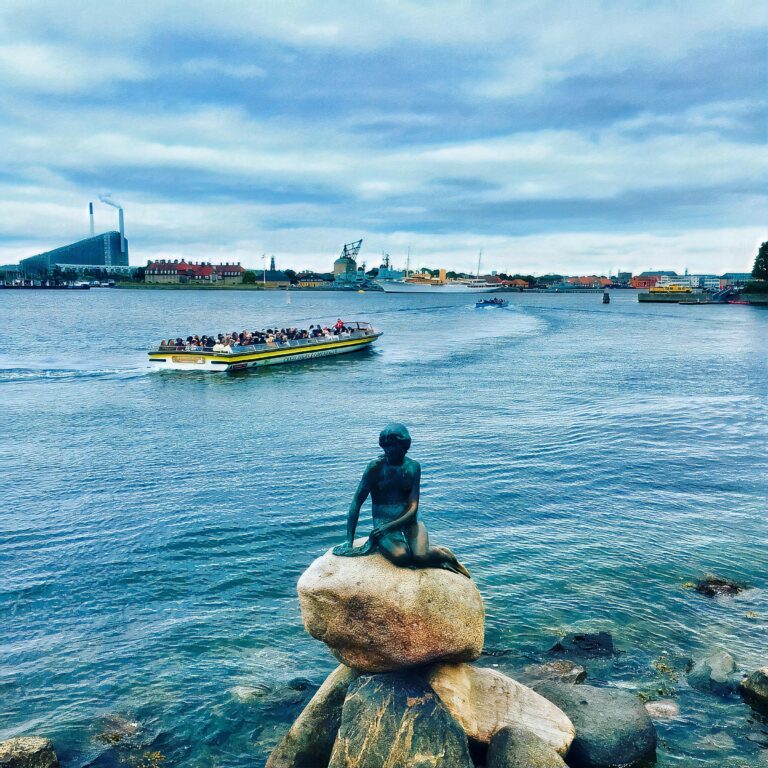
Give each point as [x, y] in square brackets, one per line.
[13, 375]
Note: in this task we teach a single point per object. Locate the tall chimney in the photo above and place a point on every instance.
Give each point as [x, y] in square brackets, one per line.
[90, 212]
[122, 230]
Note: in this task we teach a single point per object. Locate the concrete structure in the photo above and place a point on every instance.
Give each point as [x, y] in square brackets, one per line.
[98, 252]
[345, 270]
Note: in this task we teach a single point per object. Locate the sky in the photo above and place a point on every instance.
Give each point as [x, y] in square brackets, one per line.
[576, 138]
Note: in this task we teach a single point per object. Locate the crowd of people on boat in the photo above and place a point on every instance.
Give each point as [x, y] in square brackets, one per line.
[230, 342]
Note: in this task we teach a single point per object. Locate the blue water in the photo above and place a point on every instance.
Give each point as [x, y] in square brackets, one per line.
[583, 460]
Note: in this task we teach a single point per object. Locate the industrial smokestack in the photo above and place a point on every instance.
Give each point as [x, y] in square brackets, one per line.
[90, 213]
[105, 199]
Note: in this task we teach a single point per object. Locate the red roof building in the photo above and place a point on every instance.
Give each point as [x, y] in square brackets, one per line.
[166, 271]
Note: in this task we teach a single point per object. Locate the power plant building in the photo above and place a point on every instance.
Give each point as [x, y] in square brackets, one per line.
[101, 251]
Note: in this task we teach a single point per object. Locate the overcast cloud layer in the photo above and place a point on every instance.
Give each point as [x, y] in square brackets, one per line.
[556, 138]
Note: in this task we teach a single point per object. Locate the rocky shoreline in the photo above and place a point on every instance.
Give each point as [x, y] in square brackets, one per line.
[416, 687]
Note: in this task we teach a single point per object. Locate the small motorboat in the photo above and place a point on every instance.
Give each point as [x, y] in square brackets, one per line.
[491, 303]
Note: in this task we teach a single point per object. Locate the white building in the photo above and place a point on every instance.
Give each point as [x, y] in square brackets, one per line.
[709, 282]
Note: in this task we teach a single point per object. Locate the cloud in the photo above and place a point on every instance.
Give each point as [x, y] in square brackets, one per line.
[46, 68]
[273, 127]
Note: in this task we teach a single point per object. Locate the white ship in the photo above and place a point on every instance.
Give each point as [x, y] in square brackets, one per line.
[425, 283]
[409, 285]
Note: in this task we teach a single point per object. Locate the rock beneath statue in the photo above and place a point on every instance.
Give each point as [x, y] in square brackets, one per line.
[612, 727]
[309, 741]
[396, 719]
[28, 752]
[561, 671]
[377, 617]
[484, 701]
[714, 674]
[754, 690]
[585, 645]
[515, 747]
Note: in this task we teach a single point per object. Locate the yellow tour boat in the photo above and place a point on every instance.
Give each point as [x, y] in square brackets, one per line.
[359, 335]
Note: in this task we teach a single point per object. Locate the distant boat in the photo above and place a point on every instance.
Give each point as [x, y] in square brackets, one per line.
[491, 303]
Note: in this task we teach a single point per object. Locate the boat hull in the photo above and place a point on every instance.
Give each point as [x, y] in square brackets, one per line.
[396, 287]
[212, 362]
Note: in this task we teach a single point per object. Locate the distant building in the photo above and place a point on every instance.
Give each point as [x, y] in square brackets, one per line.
[183, 272]
[646, 280]
[272, 267]
[735, 279]
[314, 279]
[273, 278]
[711, 282]
[516, 282]
[588, 281]
[99, 252]
[622, 278]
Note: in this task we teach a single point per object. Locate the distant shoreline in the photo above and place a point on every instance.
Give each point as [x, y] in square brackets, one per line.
[194, 287]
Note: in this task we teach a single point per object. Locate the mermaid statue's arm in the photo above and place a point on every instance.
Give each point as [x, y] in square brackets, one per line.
[353, 515]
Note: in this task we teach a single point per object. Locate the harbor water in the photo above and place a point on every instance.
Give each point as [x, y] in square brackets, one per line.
[584, 460]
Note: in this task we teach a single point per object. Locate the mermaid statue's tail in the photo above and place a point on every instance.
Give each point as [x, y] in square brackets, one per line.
[349, 550]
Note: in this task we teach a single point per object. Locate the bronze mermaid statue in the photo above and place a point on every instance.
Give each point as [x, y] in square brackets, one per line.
[392, 481]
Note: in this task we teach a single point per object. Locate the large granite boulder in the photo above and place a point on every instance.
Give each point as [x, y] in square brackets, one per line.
[715, 674]
[754, 690]
[397, 720]
[27, 752]
[514, 747]
[483, 701]
[376, 617]
[310, 739]
[613, 730]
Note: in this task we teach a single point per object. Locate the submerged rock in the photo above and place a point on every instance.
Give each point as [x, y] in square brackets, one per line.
[612, 727]
[515, 747]
[28, 752]
[754, 690]
[397, 720]
[484, 701]
[376, 617]
[115, 729]
[310, 739]
[715, 674]
[585, 645]
[663, 709]
[716, 586]
[562, 671]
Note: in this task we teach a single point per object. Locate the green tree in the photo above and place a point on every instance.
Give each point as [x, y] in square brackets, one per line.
[138, 275]
[291, 275]
[760, 270]
[249, 277]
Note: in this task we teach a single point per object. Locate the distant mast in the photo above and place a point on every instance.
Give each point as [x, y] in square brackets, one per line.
[90, 215]
[479, 259]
